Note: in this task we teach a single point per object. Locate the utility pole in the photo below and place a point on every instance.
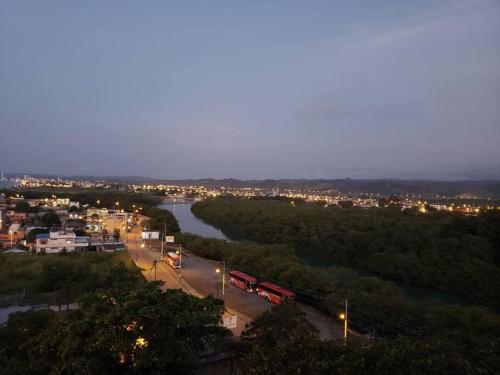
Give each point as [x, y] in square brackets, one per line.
[164, 237]
[223, 275]
[217, 270]
[344, 317]
[345, 324]
[162, 241]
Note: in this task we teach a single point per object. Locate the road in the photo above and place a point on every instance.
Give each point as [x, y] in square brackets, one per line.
[200, 279]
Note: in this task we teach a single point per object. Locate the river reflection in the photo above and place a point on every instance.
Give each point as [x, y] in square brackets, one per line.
[190, 223]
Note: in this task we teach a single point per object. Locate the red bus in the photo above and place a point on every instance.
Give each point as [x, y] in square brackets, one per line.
[243, 281]
[273, 293]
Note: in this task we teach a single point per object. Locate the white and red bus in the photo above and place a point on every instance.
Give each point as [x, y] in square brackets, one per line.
[174, 260]
[274, 293]
[243, 281]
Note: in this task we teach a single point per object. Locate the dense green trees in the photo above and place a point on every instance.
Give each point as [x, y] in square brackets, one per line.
[31, 236]
[65, 277]
[450, 253]
[376, 306]
[22, 206]
[50, 219]
[127, 331]
[161, 220]
[282, 341]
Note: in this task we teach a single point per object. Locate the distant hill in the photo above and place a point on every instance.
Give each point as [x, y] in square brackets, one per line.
[483, 189]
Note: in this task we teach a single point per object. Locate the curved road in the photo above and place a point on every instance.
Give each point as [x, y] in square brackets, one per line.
[198, 277]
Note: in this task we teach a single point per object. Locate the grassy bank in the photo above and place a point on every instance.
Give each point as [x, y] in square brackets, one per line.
[62, 278]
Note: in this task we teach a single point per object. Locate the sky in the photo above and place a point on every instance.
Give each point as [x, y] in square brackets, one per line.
[251, 89]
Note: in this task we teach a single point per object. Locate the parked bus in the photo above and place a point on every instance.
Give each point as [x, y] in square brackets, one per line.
[174, 260]
[274, 293]
[243, 281]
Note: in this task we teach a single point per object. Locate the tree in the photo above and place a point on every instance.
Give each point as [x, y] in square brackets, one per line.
[22, 206]
[393, 200]
[143, 331]
[31, 236]
[50, 219]
[281, 341]
[346, 204]
[19, 342]
[160, 219]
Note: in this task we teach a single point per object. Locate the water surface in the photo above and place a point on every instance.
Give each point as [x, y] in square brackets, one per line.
[190, 223]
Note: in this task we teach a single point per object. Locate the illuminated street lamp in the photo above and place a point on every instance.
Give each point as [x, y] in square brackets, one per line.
[343, 316]
[137, 251]
[217, 270]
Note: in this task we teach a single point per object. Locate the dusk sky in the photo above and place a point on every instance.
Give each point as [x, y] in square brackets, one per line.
[251, 89]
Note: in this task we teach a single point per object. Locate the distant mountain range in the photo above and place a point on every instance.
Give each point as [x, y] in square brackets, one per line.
[385, 187]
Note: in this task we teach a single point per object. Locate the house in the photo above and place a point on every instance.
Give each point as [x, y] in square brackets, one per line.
[11, 238]
[3, 218]
[60, 241]
[16, 217]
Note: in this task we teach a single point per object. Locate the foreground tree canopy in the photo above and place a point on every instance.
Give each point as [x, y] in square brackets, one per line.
[375, 306]
[282, 341]
[125, 331]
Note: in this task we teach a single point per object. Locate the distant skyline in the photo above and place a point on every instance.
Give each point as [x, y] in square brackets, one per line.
[251, 90]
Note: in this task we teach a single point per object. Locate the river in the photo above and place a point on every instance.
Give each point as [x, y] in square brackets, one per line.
[190, 223]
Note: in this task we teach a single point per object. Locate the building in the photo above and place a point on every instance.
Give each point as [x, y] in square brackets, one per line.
[16, 217]
[11, 238]
[60, 241]
[3, 218]
[366, 202]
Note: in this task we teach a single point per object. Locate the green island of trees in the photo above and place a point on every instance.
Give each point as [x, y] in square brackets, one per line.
[451, 253]
[62, 278]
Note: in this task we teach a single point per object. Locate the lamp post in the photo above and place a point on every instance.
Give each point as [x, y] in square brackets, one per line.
[217, 270]
[343, 316]
[137, 250]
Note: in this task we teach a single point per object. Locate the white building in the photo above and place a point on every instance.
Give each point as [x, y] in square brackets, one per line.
[366, 202]
[60, 241]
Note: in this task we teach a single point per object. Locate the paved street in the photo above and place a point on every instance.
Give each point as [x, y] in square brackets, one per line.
[200, 279]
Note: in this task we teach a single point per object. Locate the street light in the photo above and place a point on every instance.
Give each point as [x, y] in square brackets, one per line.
[137, 251]
[217, 270]
[343, 316]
